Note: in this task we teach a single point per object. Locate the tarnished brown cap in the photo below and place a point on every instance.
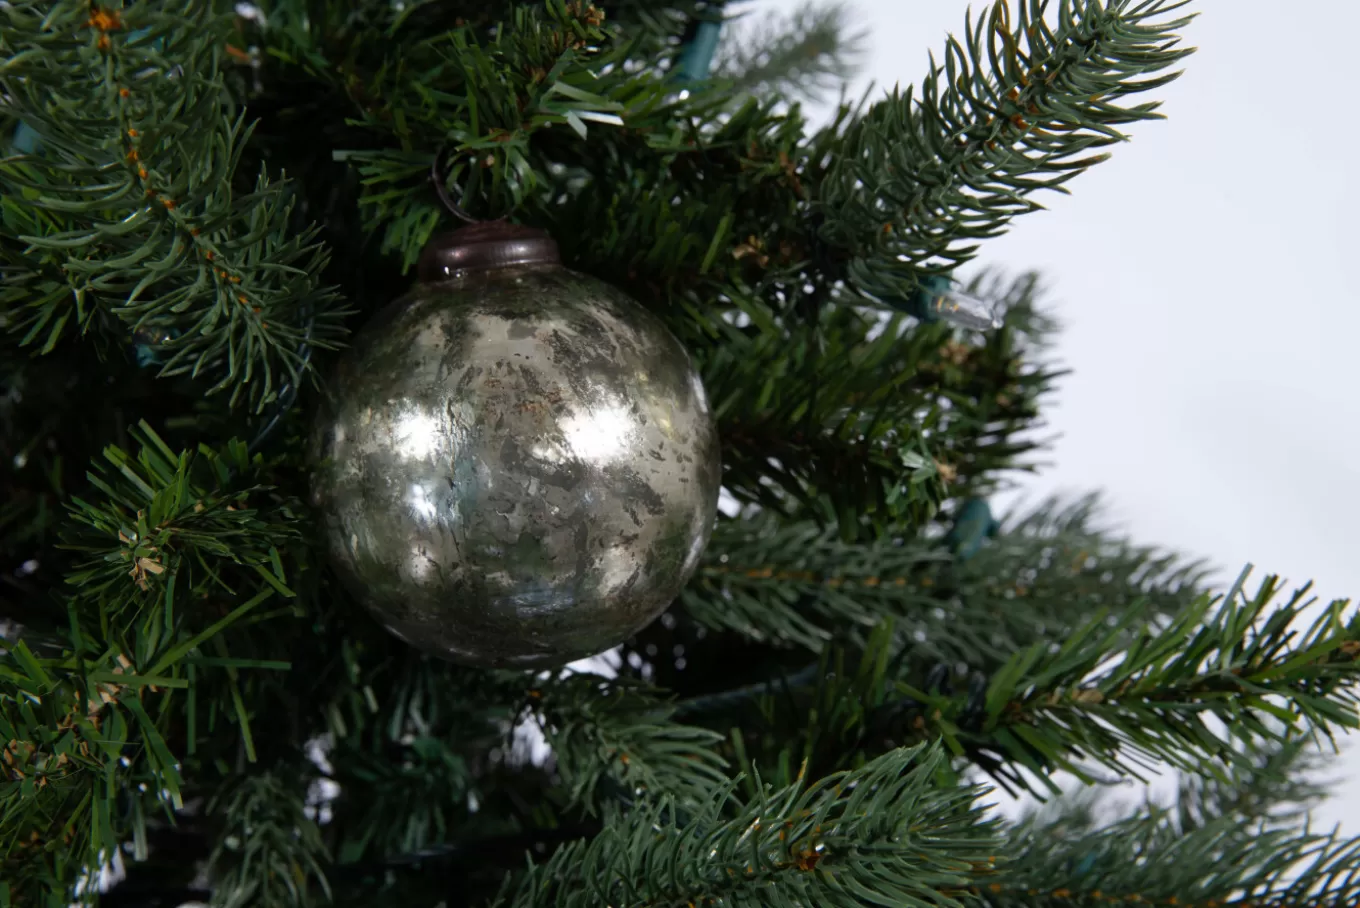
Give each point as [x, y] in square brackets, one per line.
[488, 244]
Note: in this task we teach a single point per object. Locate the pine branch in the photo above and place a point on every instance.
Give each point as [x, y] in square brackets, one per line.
[653, 27]
[802, 55]
[422, 755]
[880, 834]
[793, 583]
[916, 181]
[400, 799]
[1151, 859]
[177, 557]
[1047, 571]
[1127, 704]
[126, 219]
[988, 391]
[1124, 691]
[414, 742]
[823, 418]
[1276, 782]
[831, 415]
[494, 95]
[417, 740]
[560, 118]
[269, 852]
[611, 736]
[156, 521]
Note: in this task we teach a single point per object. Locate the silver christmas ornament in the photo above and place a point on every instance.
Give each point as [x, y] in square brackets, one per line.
[516, 464]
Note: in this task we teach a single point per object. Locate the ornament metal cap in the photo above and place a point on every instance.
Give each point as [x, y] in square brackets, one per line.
[488, 244]
[480, 245]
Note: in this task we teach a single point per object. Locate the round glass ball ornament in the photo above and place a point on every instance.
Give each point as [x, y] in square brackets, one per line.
[516, 464]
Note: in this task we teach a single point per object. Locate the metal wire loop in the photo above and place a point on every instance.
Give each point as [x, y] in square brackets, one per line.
[443, 191]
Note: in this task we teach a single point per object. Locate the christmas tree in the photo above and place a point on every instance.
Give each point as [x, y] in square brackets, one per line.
[203, 206]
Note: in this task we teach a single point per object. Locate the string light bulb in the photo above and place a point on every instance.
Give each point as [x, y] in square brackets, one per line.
[942, 299]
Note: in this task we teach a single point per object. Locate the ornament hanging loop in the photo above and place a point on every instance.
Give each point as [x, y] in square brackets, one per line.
[479, 244]
[443, 192]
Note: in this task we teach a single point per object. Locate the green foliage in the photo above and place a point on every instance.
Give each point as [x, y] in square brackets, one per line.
[486, 99]
[1245, 852]
[796, 584]
[609, 733]
[834, 429]
[1126, 691]
[442, 737]
[176, 558]
[132, 215]
[417, 794]
[879, 834]
[1048, 570]
[409, 742]
[833, 414]
[270, 852]
[805, 54]
[55, 759]
[167, 519]
[1277, 782]
[986, 393]
[186, 678]
[1013, 109]
[1125, 702]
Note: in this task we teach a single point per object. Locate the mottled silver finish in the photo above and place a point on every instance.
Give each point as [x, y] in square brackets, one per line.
[517, 467]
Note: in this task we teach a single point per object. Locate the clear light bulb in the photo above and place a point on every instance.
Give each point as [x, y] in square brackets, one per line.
[958, 307]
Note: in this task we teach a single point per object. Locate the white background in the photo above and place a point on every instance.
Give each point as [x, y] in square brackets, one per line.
[1211, 318]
